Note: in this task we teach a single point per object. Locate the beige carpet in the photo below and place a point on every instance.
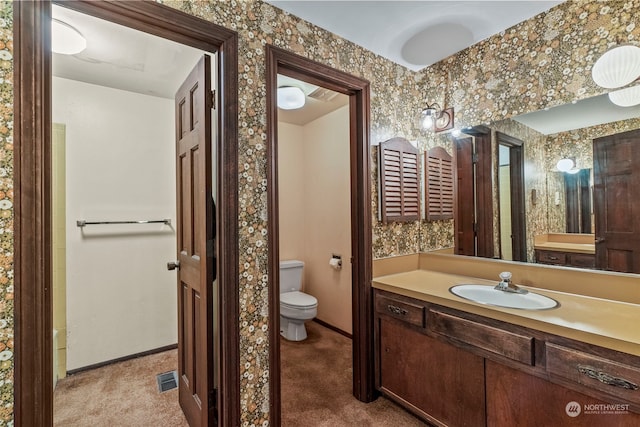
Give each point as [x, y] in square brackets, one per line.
[317, 386]
[316, 391]
[122, 394]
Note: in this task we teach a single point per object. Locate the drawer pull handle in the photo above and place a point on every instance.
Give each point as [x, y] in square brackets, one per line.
[605, 378]
[553, 258]
[399, 311]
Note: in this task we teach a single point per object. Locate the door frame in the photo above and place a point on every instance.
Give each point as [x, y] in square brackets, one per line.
[283, 62]
[33, 398]
[518, 208]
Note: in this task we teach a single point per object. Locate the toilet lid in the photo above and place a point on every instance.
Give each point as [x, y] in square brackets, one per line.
[298, 299]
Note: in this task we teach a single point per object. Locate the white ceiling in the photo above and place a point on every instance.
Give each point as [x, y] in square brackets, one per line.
[584, 113]
[127, 59]
[415, 33]
[122, 58]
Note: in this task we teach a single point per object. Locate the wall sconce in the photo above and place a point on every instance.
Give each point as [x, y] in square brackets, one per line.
[291, 98]
[617, 67]
[66, 39]
[567, 165]
[432, 117]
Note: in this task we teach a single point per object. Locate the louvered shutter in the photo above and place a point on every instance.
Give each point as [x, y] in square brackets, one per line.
[399, 181]
[439, 184]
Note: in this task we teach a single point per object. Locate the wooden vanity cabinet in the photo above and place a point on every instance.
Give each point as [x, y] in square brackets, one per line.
[437, 381]
[517, 398]
[453, 368]
[567, 259]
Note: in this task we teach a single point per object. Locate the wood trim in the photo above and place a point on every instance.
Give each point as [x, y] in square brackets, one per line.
[33, 400]
[333, 328]
[484, 195]
[122, 359]
[279, 61]
[33, 404]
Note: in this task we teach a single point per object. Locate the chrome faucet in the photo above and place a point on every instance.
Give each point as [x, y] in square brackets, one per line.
[505, 284]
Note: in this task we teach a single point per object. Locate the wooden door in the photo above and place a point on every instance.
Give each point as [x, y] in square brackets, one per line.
[616, 161]
[464, 218]
[474, 194]
[195, 230]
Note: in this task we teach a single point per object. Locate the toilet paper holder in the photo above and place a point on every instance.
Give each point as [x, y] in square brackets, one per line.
[338, 261]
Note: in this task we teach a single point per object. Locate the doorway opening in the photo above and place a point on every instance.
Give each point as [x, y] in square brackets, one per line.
[511, 198]
[280, 62]
[33, 306]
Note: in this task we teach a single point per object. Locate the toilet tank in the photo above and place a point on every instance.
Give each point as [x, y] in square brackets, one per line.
[290, 275]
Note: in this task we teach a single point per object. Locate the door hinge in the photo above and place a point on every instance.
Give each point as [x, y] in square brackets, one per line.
[474, 158]
[213, 99]
[475, 228]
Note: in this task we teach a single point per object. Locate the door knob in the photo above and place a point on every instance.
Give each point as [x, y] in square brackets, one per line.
[173, 265]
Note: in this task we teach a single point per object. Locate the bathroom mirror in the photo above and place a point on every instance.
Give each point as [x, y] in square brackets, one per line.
[549, 135]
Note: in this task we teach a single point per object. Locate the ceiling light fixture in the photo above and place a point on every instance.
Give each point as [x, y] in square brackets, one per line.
[65, 39]
[565, 165]
[432, 117]
[617, 67]
[627, 97]
[290, 98]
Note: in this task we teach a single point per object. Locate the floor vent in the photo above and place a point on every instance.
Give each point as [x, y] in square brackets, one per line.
[167, 381]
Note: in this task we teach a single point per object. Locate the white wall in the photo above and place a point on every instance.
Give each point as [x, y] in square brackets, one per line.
[323, 172]
[121, 299]
[291, 188]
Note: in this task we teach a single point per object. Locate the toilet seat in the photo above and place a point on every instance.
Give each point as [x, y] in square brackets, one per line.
[297, 299]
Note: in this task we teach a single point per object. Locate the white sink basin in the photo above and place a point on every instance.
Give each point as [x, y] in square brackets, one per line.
[484, 294]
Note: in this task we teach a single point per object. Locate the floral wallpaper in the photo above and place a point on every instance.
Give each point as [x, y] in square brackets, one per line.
[539, 63]
[396, 94]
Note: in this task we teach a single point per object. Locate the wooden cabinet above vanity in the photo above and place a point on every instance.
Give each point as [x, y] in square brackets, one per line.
[454, 368]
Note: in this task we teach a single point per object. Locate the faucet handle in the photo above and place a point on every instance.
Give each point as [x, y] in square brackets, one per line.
[505, 276]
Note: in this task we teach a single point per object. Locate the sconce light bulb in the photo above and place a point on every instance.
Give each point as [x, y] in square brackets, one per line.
[427, 122]
[565, 165]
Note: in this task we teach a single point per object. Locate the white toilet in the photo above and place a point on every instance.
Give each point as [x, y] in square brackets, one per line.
[295, 307]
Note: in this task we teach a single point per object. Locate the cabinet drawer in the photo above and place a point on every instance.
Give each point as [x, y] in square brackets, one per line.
[582, 260]
[408, 312]
[498, 341]
[551, 257]
[595, 372]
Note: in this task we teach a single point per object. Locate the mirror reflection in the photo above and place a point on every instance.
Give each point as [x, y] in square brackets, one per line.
[582, 215]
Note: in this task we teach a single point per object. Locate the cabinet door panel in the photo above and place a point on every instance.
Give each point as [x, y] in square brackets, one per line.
[437, 378]
[515, 398]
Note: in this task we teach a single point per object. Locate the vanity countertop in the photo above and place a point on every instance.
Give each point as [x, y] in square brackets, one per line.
[566, 242]
[581, 248]
[603, 322]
